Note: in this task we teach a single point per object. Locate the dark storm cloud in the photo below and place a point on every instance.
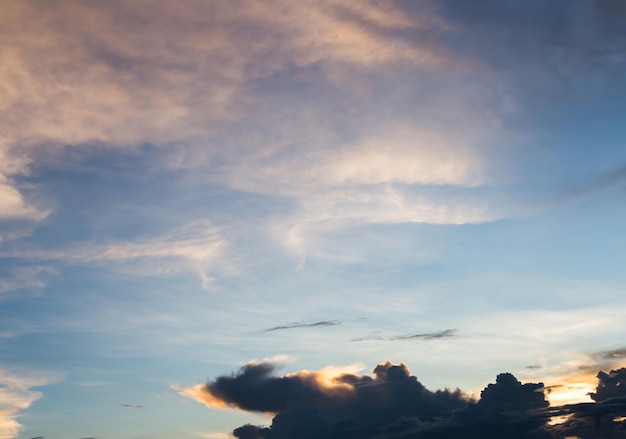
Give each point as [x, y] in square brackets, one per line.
[509, 394]
[255, 388]
[318, 405]
[446, 333]
[393, 404]
[610, 385]
[303, 325]
[249, 431]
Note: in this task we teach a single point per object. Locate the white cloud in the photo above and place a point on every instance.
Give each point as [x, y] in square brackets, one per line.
[414, 157]
[393, 173]
[16, 395]
[13, 205]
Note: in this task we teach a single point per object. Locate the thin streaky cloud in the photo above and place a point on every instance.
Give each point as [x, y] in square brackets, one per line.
[615, 354]
[193, 248]
[446, 333]
[303, 325]
[373, 337]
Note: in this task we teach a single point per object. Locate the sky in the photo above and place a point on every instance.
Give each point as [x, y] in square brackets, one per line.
[229, 213]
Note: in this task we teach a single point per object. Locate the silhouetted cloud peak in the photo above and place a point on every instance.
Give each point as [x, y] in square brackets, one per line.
[610, 385]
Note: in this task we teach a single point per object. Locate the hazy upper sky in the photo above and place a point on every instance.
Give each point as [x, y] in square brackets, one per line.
[189, 186]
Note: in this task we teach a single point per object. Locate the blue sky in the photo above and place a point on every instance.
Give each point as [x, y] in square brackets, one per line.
[178, 178]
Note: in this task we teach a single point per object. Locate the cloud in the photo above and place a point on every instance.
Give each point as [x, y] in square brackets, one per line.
[193, 248]
[610, 355]
[303, 325]
[320, 402]
[610, 385]
[578, 380]
[28, 277]
[254, 388]
[167, 82]
[13, 203]
[393, 404]
[16, 395]
[350, 109]
[14, 206]
[146, 77]
[509, 394]
[446, 333]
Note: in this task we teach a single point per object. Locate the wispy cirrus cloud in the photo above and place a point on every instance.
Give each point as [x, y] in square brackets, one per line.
[303, 325]
[446, 333]
[191, 96]
[28, 277]
[194, 248]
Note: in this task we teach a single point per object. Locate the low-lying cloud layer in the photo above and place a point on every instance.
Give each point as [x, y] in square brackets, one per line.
[394, 404]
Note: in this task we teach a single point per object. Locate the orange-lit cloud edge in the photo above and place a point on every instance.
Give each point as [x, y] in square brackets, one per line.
[578, 380]
[326, 378]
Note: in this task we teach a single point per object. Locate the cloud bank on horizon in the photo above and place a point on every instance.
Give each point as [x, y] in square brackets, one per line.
[251, 179]
[394, 404]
